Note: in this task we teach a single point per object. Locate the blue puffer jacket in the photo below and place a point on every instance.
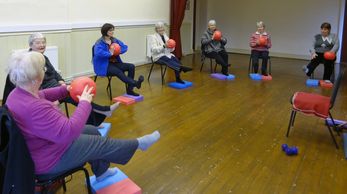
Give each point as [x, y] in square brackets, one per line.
[101, 55]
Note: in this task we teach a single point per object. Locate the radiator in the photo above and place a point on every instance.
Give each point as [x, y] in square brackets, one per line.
[52, 54]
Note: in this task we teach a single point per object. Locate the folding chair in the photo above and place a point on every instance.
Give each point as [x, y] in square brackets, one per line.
[149, 55]
[10, 132]
[250, 64]
[203, 57]
[43, 183]
[109, 78]
[317, 105]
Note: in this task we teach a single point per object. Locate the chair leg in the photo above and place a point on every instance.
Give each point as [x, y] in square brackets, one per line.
[202, 64]
[109, 86]
[332, 136]
[150, 71]
[66, 109]
[87, 180]
[269, 66]
[294, 116]
[211, 70]
[334, 124]
[95, 77]
[64, 185]
[250, 65]
[290, 121]
[163, 75]
[215, 68]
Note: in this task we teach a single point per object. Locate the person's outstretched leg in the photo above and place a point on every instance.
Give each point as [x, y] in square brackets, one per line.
[100, 151]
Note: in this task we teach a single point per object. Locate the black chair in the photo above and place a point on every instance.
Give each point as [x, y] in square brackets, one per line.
[149, 55]
[109, 78]
[203, 57]
[250, 64]
[162, 70]
[10, 132]
[330, 103]
[43, 183]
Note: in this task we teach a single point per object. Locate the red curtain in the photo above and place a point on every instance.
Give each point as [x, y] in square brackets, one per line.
[176, 17]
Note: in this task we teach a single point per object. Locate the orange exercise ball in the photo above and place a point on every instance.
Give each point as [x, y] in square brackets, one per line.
[171, 43]
[329, 55]
[116, 49]
[262, 41]
[217, 35]
[77, 86]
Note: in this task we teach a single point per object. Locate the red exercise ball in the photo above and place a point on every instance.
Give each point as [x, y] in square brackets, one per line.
[329, 55]
[217, 35]
[116, 49]
[171, 43]
[77, 86]
[262, 41]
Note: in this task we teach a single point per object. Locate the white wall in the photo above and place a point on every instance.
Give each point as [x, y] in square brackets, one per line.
[292, 24]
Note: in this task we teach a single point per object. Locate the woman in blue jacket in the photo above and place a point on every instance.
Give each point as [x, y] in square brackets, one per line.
[107, 64]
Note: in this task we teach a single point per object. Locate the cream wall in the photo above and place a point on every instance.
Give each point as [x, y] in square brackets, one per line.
[74, 32]
[292, 24]
[187, 31]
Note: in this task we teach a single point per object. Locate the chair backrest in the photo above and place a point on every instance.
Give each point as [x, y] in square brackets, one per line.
[336, 87]
[149, 39]
[17, 166]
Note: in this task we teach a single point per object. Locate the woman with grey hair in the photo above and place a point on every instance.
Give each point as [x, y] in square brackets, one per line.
[213, 48]
[55, 142]
[37, 42]
[162, 54]
[260, 42]
[323, 42]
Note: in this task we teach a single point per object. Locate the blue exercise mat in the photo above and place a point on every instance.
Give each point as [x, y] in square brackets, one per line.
[119, 176]
[177, 85]
[105, 129]
[255, 76]
[312, 82]
[223, 77]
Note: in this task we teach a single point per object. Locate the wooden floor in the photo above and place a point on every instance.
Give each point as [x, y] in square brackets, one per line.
[226, 136]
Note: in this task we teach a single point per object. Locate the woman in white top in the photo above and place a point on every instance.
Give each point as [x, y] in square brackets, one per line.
[162, 54]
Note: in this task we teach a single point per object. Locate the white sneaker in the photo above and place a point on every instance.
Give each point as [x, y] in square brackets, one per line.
[327, 81]
[304, 68]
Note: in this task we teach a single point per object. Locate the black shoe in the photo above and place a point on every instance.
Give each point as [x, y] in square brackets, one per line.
[132, 93]
[185, 69]
[178, 80]
[226, 74]
[139, 81]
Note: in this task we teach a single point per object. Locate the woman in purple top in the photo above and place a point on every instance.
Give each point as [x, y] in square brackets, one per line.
[57, 143]
[260, 42]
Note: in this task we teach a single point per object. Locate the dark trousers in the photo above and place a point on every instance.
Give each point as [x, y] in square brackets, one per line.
[172, 62]
[94, 118]
[264, 55]
[119, 69]
[328, 66]
[221, 58]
